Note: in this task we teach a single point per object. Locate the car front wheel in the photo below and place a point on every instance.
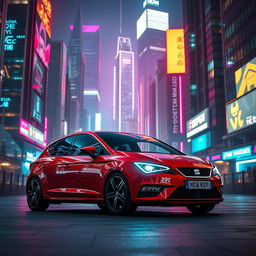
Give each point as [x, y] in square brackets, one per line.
[117, 195]
[200, 209]
[34, 196]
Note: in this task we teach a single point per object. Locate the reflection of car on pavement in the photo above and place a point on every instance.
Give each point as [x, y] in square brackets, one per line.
[120, 171]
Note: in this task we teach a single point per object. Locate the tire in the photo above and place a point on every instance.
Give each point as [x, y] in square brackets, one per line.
[102, 206]
[200, 209]
[35, 199]
[117, 195]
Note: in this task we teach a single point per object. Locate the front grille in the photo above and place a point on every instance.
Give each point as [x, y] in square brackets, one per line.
[195, 172]
[183, 193]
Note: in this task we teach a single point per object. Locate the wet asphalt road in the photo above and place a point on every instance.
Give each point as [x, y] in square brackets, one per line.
[79, 229]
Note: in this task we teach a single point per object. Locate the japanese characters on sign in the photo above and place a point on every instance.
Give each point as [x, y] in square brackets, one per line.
[175, 51]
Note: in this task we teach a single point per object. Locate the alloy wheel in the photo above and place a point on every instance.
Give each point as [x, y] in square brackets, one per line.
[116, 192]
[34, 193]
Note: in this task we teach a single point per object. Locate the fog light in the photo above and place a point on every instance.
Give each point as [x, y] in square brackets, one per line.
[153, 189]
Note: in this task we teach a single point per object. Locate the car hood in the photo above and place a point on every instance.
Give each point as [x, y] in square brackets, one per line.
[170, 160]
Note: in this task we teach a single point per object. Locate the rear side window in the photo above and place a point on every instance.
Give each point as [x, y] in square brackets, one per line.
[86, 140]
[61, 147]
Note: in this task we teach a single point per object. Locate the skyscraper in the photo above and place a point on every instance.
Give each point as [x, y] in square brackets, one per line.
[56, 99]
[151, 27]
[91, 49]
[204, 79]
[26, 61]
[239, 48]
[123, 94]
[76, 69]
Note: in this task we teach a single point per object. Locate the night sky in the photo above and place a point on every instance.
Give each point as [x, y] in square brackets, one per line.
[106, 14]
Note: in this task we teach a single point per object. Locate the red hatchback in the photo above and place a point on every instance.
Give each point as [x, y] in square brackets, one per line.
[119, 171]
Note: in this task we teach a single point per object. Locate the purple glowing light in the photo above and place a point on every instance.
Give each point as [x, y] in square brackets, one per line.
[216, 157]
[87, 28]
[181, 106]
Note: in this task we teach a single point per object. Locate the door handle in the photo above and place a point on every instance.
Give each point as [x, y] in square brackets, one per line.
[63, 165]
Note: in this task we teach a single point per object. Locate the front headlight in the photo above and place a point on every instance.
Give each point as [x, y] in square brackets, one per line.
[149, 168]
[216, 172]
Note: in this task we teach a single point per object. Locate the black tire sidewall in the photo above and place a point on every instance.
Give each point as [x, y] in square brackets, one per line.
[128, 207]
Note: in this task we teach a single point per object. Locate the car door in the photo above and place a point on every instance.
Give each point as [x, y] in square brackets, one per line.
[88, 170]
[60, 178]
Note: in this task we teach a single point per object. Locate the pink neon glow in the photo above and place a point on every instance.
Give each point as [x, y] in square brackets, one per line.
[87, 28]
[182, 146]
[181, 106]
[216, 157]
[24, 130]
[45, 130]
[254, 150]
[207, 158]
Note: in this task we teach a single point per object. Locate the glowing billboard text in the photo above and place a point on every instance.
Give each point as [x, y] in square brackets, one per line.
[175, 51]
[241, 112]
[246, 78]
[44, 10]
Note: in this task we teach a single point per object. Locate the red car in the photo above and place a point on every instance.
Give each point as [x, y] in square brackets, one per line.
[119, 171]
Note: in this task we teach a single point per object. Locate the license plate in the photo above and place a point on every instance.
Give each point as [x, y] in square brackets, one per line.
[198, 184]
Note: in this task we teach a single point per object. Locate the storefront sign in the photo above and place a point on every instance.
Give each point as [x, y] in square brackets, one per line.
[241, 113]
[239, 152]
[33, 134]
[198, 123]
[246, 78]
[5, 102]
[201, 142]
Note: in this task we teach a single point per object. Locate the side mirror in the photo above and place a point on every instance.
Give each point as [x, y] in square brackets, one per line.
[89, 151]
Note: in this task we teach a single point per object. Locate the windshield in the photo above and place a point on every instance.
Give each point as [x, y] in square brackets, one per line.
[136, 143]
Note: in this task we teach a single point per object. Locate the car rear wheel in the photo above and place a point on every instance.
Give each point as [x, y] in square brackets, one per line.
[200, 209]
[34, 196]
[117, 195]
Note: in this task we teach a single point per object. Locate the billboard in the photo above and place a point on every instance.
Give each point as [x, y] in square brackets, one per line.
[241, 113]
[201, 142]
[238, 152]
[152, 19]
[245, 78]
[154, 3]
[175, 51]
[44, 10]
[176, 104]
[198, 123]
[14, 34]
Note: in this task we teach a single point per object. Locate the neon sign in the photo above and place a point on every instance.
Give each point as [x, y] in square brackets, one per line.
[11, 37]
[175, 51]
[44, 10]
[198, 123]
[31, 133]
[151, 3]
[5, 102]
[239, 152]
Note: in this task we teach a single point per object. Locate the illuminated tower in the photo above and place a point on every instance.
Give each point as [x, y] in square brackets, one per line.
[76, 63]
[123, 107]
[151, 27]
[91, 49]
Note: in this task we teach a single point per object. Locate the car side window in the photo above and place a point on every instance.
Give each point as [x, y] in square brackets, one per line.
[61, 147]
[86, 140]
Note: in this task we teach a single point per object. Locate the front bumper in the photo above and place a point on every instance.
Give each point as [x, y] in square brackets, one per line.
[171, 190]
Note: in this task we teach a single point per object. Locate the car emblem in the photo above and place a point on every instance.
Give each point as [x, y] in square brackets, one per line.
[196, 171]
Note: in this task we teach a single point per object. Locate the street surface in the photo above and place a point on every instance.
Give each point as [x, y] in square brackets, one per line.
[79, 229]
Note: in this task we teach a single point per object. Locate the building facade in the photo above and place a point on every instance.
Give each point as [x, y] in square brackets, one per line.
[204, 78]
[56, 99]
[3, 13]
[91, 48]
[239, 50]
[26, 63]
[76, 73]
[151, 27]
[123, 90]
